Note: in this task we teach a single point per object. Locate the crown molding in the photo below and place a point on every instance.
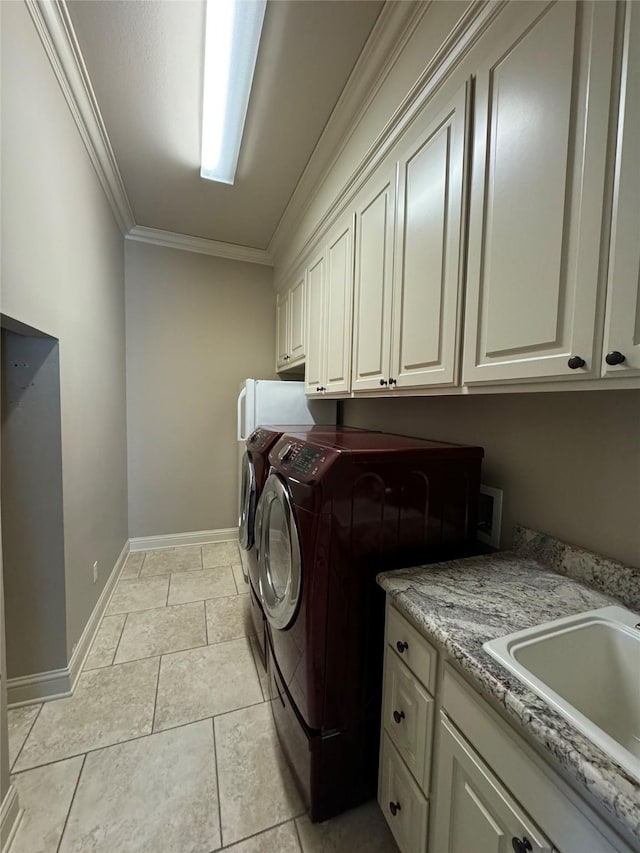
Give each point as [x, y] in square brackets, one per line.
[54, 27]
[200, 245]
[391, 32]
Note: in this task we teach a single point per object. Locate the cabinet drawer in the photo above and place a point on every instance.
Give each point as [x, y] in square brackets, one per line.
[408, 712]
[414, 650]
[403, 804]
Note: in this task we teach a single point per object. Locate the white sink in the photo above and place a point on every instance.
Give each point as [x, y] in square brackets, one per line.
[587, 667]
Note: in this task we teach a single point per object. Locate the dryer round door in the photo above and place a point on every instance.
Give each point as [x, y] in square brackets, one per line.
[278, 555]
[248, 496]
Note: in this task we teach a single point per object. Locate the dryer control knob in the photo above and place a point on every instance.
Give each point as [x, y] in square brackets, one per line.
[286, 453]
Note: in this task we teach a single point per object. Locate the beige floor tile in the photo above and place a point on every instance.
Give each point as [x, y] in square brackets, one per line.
[280, 839]
[262, 672]
[167, 560]
[156, 632]
[204, 682]
[360, 830]
[45, 795]
[152, 795]
[220, 554]
[133, 565]
[241, 584]
[20, 721]
[105, 642]
[196, 586]
[109, 705]
[228, 618]
[257, 789]
[143, 594]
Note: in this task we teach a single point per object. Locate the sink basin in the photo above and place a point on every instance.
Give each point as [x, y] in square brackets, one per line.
[587, 667]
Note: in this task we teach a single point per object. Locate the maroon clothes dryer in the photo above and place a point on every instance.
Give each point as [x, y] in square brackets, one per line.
[334, 512]
[255, 469]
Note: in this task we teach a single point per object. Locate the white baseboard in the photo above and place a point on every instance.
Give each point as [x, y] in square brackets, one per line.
[174, 540]
[60, 683]
[10, 815]
[39, 687]
[83, 646]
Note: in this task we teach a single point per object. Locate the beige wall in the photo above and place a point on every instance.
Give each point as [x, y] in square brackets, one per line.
[63, 273]
[569, 463]
[196, 327]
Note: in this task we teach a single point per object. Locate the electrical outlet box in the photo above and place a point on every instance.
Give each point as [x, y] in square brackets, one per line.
[490, 515]
[95, 571]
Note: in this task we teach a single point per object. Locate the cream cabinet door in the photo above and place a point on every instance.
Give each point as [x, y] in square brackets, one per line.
[313, 369]
[297, 322]
[474, 812]
[338, 306]
[282, 329]
[622, 330]
[538, 181]
[428, 248]
[375, 223]
[403, 804]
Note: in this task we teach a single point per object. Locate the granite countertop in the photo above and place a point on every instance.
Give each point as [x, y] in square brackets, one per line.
[461, 604]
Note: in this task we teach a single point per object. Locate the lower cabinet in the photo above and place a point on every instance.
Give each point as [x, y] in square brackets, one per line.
[475, 812]
[455, 777]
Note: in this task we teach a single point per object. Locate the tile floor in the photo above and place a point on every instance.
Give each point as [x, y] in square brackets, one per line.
[168, 745]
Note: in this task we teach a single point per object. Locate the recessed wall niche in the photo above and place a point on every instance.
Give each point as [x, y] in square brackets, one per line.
[31, 496]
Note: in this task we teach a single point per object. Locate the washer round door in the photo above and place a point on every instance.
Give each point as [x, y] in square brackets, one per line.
[246, 521]
[278, 555]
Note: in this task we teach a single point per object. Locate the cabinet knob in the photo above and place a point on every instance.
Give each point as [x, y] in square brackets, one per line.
[286, 358]
[394, 808]
[383, 382]
[575, 362]
[400, 646]
[398, 716]
[393, 382]
[521, 845]
[614, 357]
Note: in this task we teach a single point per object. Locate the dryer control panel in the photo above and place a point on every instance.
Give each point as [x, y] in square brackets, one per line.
[306, 461]
[299, 460]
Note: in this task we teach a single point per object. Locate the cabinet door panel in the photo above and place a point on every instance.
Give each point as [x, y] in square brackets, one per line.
[427, 279]
[313, 371]
[408, 717]
[403, 804]
[474, 811]
[297, 324]
[540, 130]
[374, 281]
[282, 327]
[338, 308]
[622, 332]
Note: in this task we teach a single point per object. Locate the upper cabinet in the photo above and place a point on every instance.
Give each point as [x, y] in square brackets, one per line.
[291, 325]
[429, 234]
[480, 248]
[621, 353]
[541, 121]
[329, 319]
[375, 221]
[408, 259]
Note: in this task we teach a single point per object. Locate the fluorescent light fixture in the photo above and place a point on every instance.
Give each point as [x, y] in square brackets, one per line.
[233, 31]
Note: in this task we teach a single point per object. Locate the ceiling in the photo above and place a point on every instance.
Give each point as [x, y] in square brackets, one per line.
[145, 59]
